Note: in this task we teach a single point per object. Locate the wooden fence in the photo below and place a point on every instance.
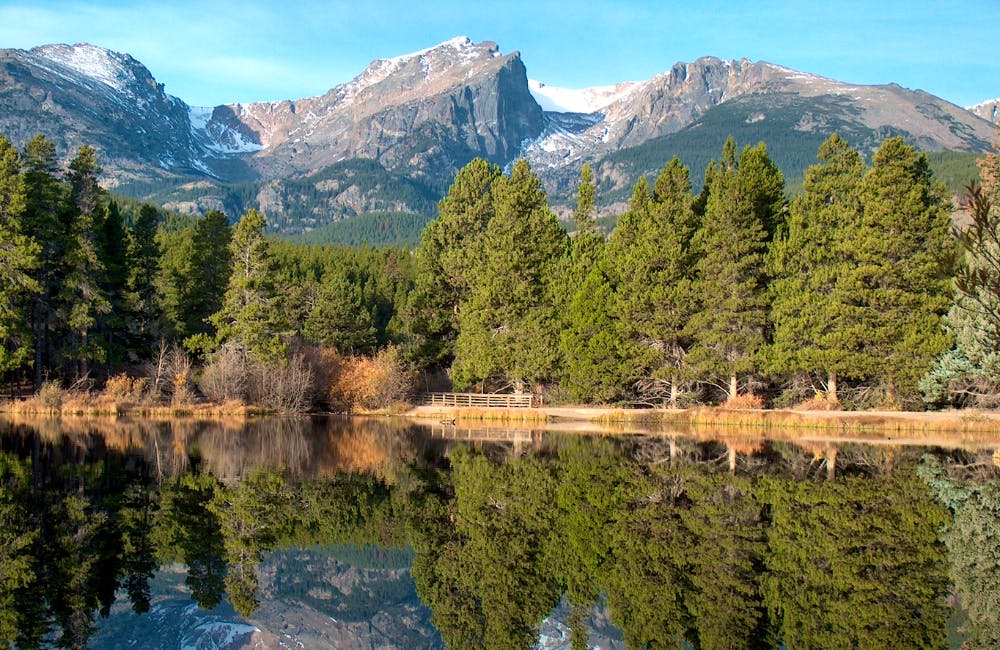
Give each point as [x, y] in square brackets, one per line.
[482, 400]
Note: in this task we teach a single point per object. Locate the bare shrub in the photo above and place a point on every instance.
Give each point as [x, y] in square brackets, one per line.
[122, 388]
[169, 375]
[227, 375]
[51, 394]
[287, 387]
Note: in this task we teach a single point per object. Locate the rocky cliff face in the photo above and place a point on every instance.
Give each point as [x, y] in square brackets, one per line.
[430, 112]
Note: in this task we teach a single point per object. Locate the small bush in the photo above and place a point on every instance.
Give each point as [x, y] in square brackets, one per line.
[227, 375]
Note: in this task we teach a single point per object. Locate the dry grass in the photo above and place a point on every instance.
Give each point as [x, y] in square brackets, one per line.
[744, 401]
[473, 414]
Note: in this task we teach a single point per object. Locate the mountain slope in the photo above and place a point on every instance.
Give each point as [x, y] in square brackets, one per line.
[391, 139]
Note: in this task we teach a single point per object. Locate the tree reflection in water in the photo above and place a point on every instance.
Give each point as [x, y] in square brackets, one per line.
[716, 542]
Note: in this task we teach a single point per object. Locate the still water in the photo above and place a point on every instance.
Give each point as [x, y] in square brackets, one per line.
[372, 533]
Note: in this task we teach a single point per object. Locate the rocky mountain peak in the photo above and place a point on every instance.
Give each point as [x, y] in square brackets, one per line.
[80, 63]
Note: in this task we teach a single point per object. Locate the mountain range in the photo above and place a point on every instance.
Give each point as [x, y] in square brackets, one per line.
[390, 140]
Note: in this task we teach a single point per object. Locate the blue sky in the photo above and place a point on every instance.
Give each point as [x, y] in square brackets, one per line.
[213, 52]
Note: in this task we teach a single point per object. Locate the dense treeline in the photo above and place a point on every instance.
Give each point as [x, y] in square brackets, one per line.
[733, 291]
[737, 293]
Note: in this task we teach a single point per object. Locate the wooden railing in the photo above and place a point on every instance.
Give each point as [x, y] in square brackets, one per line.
[482, 400]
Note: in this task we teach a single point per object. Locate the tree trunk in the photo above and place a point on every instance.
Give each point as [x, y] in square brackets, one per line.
[831, 463]
[831, 387]
[673, 392]
[734, 387]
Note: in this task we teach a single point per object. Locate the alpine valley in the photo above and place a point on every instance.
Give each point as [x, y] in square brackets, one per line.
[386, 145]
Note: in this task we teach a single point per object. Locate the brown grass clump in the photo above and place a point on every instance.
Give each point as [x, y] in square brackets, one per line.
[818, 402]
[744, 401]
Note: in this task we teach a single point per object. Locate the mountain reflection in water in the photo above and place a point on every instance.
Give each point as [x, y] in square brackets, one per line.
[358, 533]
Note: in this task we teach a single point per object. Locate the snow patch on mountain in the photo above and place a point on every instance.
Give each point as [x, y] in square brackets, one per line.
[105, 66]
[988, 110]
[460, 50]
[216, 136]
[983, 104]
[584, 100]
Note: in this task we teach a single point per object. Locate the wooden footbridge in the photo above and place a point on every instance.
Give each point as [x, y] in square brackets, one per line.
[476, 400]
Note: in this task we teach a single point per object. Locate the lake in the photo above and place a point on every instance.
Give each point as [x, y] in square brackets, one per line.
[381, 533]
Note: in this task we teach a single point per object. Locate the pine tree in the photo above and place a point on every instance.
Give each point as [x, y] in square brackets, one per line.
[900, 281]
[590, 344]
[652, 263]
[194, 273]
[248, 315]
[970, 371]
[142, 258]
[18, 261]
[338, 318]
[507, 327]
[730, 325]
[42, 220]
[448, 250]
[807, 261]
[81, 299]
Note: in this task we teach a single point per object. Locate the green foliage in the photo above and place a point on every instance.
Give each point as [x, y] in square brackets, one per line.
[194, 272]
[19, 258]
[370, 229]
[248, 315]
[449, 247]
[856, 563]
[902, 263]
[956, 169]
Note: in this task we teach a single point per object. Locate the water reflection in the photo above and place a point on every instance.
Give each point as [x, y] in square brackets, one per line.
[714, 541]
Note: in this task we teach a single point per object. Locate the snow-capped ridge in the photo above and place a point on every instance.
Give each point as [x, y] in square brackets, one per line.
[108, 67]
[461, 50]
[983, 104]
[584, 100]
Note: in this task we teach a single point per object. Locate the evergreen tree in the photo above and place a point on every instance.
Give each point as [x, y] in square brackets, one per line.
[970, 371]
[730, 325]
[81, 299]
[142, 258]
[583, 216]
[448, 251]
[900, 281]
[338, 318]
[808, 260]
[18, 261]
[651, 257]
[248, 315]
[43, 222]
[194, 273]
[590, 343]
[508, 324]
